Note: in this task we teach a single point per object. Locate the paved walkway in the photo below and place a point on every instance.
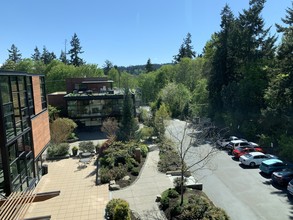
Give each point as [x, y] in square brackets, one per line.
[142, 194]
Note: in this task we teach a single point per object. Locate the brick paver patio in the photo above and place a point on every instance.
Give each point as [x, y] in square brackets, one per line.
[79, 198]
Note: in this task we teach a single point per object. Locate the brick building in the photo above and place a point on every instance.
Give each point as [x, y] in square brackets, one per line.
[24, 130]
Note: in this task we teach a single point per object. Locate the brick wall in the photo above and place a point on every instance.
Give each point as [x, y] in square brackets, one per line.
[40, 131]
[37, 94]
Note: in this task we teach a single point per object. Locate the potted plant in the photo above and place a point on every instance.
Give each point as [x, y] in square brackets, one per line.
[74, 150]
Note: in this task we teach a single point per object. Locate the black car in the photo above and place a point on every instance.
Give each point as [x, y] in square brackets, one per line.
[283, 177]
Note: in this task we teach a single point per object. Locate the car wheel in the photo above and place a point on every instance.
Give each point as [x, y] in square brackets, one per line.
[252, 164]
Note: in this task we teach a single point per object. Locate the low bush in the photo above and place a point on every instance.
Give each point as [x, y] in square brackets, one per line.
[58, 150]
[135, 171]
[164, 200]
[86, 146]
[117, 209]
[144, 150]
[172, 193]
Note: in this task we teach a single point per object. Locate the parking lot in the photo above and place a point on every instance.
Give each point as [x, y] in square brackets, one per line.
[242, 192]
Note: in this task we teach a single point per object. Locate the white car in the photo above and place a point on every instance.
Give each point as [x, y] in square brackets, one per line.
[225, 141]
[254, 158]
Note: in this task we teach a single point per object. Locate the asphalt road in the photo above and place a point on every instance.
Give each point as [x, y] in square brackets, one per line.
[242, 192]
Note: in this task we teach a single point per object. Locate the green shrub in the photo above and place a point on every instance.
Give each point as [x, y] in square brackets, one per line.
[105, 175]
[144, 150]
[172, 193]
[117, 209]
[135, 171]
[131, 160]
[177, 209]
[86, 146]
[122, 211]
[286, 150]
[130, 166]
[165, 200]
[56, 150]
[118, 172]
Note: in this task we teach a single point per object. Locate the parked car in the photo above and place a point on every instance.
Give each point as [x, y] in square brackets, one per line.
[283, 177]
[239, 151]
[290, 187]
[237, 143]
[254, 158]
[272, 165]
[221, 143]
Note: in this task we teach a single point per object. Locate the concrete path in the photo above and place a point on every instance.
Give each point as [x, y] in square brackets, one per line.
[141, 195]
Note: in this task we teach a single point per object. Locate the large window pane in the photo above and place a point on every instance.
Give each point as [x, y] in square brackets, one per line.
[5, 89]
[9, 127]
[14, 170]
[13, 84]
[12, 153]
[21, 83]
[8, 109]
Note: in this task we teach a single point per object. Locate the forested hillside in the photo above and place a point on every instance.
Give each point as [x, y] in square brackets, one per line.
[243, 79]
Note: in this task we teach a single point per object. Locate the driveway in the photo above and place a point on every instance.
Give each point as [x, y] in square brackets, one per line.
[243, 193]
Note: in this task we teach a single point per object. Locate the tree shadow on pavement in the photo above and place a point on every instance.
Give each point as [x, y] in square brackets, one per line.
[153, 214]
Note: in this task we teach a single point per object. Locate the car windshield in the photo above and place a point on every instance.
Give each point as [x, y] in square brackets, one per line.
[248, 155]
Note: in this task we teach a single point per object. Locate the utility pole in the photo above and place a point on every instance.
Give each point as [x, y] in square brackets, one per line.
[65, 50]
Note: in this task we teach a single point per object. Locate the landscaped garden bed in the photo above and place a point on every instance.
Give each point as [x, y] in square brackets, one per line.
[121, 162]
[196, 205]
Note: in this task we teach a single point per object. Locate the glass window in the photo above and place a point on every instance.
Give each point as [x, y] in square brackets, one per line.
[12, 152]
[43, 92]
[9, 127]
[8, 109]
[20, 80]
[22, 97]
[5, 89]
[30, 95]
[13, 83]
[14, 170]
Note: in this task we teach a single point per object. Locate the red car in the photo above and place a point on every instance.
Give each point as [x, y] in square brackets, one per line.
[241, 151]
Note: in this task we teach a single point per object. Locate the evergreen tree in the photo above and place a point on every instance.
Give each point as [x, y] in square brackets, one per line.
[47, 56]
[149, 66]
[107, 67]
[285, 50]
[37, 55]
[63, 58]
[223, 65]
[185, 50]
[279, 94]
[75, 51]
[128, 124]
[14, 54]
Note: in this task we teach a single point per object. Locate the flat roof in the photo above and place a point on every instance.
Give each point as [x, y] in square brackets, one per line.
[96, 81]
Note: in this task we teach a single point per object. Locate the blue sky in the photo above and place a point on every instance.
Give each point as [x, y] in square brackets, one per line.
[125, 32]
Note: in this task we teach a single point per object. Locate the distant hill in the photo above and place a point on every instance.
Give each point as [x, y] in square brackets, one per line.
[138, 69]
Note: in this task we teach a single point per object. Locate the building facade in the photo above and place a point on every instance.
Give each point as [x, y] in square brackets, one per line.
[24, 130]
[89, 101]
